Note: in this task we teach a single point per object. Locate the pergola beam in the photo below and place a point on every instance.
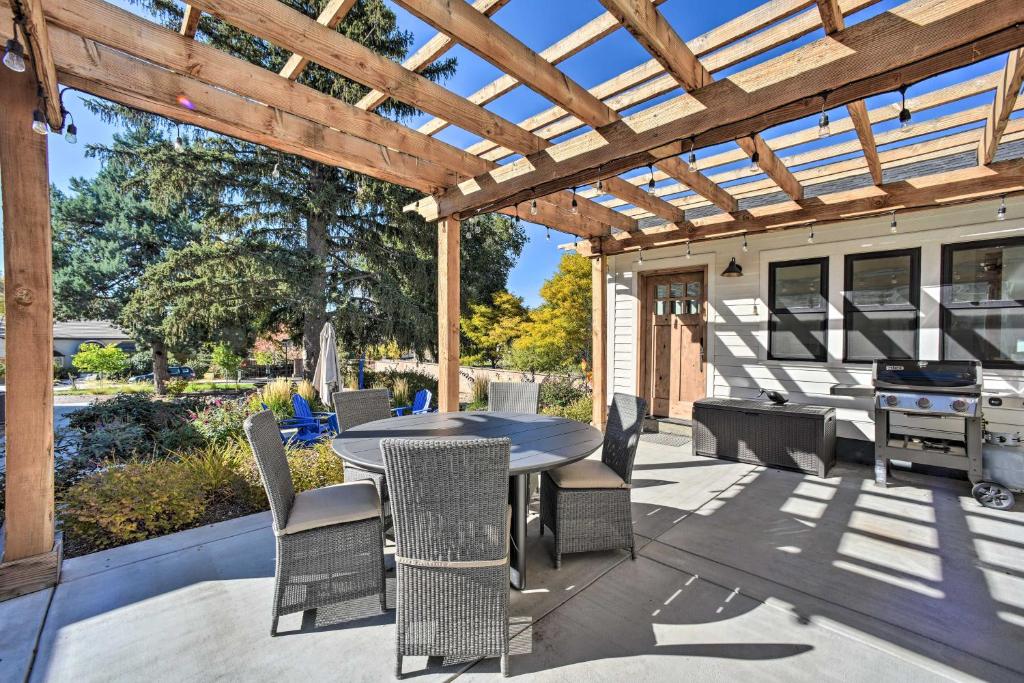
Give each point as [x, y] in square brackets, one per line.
[599, 339]
[431, 51]
[1006, 97]
[907, 44]
[948, 187]
[833, 22]
[331, 16]
[448, 312]
[41, 56]
[190, 21]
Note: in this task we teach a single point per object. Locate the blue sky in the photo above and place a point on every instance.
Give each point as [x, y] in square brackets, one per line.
[540, 23]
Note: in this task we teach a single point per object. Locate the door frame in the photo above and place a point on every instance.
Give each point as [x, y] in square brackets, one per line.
[643, 332]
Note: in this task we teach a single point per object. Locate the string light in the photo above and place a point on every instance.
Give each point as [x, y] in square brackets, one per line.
[533, 207]
[754, 158]
[548, 232]
[179, 144]
[823, 130]
[14, 53]
[276, 173]
[810, 236]
[650, 183]
[640, 256]
[71, 132]
[39, 123]
[904, 112]
[745, 247]
[688, 253]
[892, 223]
[600, 185]
[1001, 211]
[517, 214]
[691, 160]
[574, 204]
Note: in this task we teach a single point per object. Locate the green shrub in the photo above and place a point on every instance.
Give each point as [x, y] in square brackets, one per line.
[315, 467]
[400, 394]
[413, 379]
[562, 391]
[221, 421]
[216, 470]
[116, 440]
[226, 361]
[176, 387]
[580, 410]
[306, 390]
[131, 502]
[180, 437]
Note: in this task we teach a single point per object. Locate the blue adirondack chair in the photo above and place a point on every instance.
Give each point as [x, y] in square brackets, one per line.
[420, 404]
[329, 421]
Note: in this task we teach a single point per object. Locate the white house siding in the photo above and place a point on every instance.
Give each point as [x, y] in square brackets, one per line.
[738, 312]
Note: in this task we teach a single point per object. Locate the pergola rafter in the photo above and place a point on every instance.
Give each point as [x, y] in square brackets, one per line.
[919, 40]
[1007, 90]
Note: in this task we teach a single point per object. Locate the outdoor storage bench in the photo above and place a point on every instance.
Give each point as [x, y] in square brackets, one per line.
[797, 437]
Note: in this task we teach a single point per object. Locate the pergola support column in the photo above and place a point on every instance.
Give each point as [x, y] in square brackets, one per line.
[31, 557]
[448, 292]
[599, 337]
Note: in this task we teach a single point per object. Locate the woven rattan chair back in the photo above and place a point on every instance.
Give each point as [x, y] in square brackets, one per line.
[448, 498]
[513, 397]
[622, 434]
[359, 407]
[265, 439]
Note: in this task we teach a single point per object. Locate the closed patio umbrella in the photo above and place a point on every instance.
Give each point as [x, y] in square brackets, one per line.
[326, 377]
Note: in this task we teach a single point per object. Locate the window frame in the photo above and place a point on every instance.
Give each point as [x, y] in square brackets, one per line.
[946, 305]
[822, 262]
[915, 296]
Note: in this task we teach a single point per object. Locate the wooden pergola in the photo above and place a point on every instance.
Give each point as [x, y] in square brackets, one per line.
[581, 185]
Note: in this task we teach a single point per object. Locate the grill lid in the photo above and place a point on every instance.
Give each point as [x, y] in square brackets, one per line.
[964, 375]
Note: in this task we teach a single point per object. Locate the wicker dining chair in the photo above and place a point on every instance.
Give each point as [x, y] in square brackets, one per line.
[354, 408]
[513, 397]
[330, 541]
[586, 504]
[449, 500]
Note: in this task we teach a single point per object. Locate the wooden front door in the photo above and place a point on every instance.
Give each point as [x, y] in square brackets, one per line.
[675, 309]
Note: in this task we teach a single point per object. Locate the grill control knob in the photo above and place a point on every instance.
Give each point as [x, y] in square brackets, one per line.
[891, 400]
[959, 405]
[923, 403]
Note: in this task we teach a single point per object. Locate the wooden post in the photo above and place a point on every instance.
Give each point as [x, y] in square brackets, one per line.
[30, 558]
[448, 240]
[599, 336]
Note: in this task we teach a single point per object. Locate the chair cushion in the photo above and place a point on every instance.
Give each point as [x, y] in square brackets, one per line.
[333, 505]
[587, 474]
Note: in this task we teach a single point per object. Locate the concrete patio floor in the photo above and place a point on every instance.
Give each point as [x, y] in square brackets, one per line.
[742, 572]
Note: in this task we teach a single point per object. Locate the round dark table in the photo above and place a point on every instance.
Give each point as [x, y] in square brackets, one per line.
[539, 442]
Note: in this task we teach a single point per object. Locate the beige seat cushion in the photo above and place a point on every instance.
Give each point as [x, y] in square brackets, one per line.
[333, 505]
[587, 474]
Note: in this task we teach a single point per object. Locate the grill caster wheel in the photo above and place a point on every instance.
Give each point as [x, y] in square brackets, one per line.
[993, 495]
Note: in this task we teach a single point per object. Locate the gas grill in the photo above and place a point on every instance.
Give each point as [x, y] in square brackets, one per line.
[928, 412]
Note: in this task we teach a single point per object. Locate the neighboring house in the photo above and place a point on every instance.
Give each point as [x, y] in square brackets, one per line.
[68, 337]
[814, 307]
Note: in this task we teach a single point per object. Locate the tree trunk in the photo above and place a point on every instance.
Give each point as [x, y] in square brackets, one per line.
[315, 313]
[160, 373]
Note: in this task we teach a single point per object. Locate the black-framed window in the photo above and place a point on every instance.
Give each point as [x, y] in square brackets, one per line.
[798, 309]
[881, 305]
[983, 302]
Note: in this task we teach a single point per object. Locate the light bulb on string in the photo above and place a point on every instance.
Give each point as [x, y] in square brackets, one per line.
[70, 130]
[600, 185]
[39, 123]
[574, 205]
[548, 227]
[893, 227]
[688, 252]
[650, 183]
[640, 256]
[533, 207]
[14, 53]
[904, 112]
[179, 144]
[276, 173]
[810, 236]
[1001, 211]
[823, 129]
[745, 247]
[691, 160]
[754, 158]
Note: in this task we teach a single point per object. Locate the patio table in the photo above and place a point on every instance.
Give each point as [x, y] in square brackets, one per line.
[539, 442]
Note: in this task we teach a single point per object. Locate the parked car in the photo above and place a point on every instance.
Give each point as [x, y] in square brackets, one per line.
[175, 372]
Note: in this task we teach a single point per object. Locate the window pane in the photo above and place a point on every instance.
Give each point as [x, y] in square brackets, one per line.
[677, 307]
[987, 274]
[677, 290]
[798, 337]
[985, 335]
[692, 307]
[798, 286]
[881, 334]
[693, 290]
[884, 281]
[659, 307]
[661, 291]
